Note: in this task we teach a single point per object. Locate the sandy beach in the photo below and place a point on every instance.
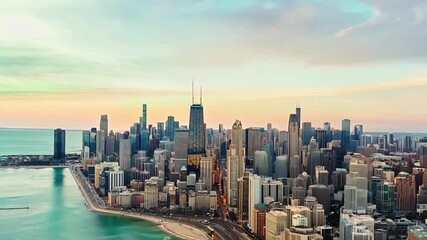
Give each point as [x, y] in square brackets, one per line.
[180, 230]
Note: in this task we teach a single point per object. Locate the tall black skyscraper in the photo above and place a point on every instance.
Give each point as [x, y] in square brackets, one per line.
[298, 112]
[59, 144]
[345, 134]
[196, 130]
[196, 140]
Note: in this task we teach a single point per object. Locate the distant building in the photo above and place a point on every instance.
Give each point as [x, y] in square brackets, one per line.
[307, 133]
[124, 154]
[103, 125]
[293, 130]
[170, 128]
[59, 145]
[345, 134]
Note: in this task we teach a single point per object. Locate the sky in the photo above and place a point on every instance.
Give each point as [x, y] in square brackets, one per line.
[64, 63]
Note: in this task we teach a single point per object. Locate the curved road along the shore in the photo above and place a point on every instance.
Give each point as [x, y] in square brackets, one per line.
[222, 229]
[94, 205]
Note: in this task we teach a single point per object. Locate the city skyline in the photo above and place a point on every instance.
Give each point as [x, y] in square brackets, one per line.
[361, 60]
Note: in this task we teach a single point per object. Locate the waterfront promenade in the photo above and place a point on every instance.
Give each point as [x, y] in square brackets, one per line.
[96, 205]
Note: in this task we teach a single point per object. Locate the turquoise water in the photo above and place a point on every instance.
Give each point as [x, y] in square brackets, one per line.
[35, 141]
[57, 210]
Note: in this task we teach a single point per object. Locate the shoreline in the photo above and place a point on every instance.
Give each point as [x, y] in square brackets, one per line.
[168, 226]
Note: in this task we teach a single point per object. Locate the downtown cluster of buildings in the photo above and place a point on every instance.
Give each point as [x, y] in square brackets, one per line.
[298, 183]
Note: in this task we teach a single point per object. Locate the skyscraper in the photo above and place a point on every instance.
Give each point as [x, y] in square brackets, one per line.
[345, 134]
[103, 125]
[196, 140]
[358, 132]
[109, 144]
[100, 145]
[261, 166]
[235, 163]
[144, 117]
[295, 167]
[231, 184]
[254, 141]
[206, 164]
[59, 145]
[293, 130]
[181, 143]
[306, 133]
[298, 113]
[161, 129]
[321, 137]
[243, 198]
[125, 149]
[196, 130]
[170, 128]
[92, 145]
[85, 141]
[237, 142]
[406, 192]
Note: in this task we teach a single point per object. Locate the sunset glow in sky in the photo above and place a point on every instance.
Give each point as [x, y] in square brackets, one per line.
[64, 63]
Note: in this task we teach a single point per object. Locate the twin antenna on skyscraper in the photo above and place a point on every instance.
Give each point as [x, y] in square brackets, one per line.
[192, 93]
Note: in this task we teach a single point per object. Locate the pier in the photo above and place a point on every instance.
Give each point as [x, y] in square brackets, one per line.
[13, 208]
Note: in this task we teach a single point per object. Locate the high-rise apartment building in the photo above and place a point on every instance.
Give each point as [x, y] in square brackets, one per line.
[261, 164]
[293, 131]
[254, 197]
[100, 145]
[345, 134]
[92, 142]
[243, 198]
[151, 196]
[59, 144]
[406, 192]
[124, 154]
[85, 142]
[144, 117]
[206, 164]
[103, 125]
[170, 128]
[307, 133]
[295, 166]
[255, 138]
[232, 176]
[358, 132]
[181, 143]
[237, 142]
[161, 129]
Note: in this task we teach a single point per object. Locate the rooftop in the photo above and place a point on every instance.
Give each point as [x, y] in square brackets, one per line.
[420, 231]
